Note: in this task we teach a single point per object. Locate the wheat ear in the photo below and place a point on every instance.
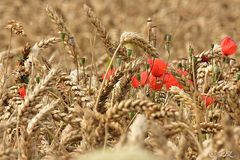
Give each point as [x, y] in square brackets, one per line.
[136, 39]
[104, 80]
[38, 90]
[110, 45]
[33, 122]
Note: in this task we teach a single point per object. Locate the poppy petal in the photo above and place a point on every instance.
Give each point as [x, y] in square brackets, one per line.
[22, 92]
[109, 74]
[158, 67]
[135, 83]
[208, 100]
[170, 80]
[228, 46]
[144, 78]
[154, 84]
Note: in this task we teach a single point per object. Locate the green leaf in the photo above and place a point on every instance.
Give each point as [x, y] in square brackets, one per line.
[62, 35]
[138, 77]
[38, 79]
[131, 114]
[82, 61]
[129, 52]
[147, 66]
[25, 79]
[190, 51]
[238, 76]
[118, 61]
[194, 59]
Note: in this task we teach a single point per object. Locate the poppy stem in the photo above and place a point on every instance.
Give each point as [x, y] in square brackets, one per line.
[167, 48]
[150, 70]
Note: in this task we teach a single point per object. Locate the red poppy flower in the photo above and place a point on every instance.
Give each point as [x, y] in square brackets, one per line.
[190, 81]
[155, 83]
[228, 46]
[170, 80]
[208, 100]
[22, 92]
[182, 72]
[173, 83]
[158, 67]
[144, 78]
[168, 77]
[109, 74]
[135, 83]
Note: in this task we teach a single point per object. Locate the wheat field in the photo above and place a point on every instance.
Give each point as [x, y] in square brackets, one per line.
[119, 80]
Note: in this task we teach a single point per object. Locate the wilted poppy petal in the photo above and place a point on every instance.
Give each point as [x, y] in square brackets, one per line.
[205, 58]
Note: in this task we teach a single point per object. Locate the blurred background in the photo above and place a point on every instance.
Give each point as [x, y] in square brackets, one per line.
[195, 22]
